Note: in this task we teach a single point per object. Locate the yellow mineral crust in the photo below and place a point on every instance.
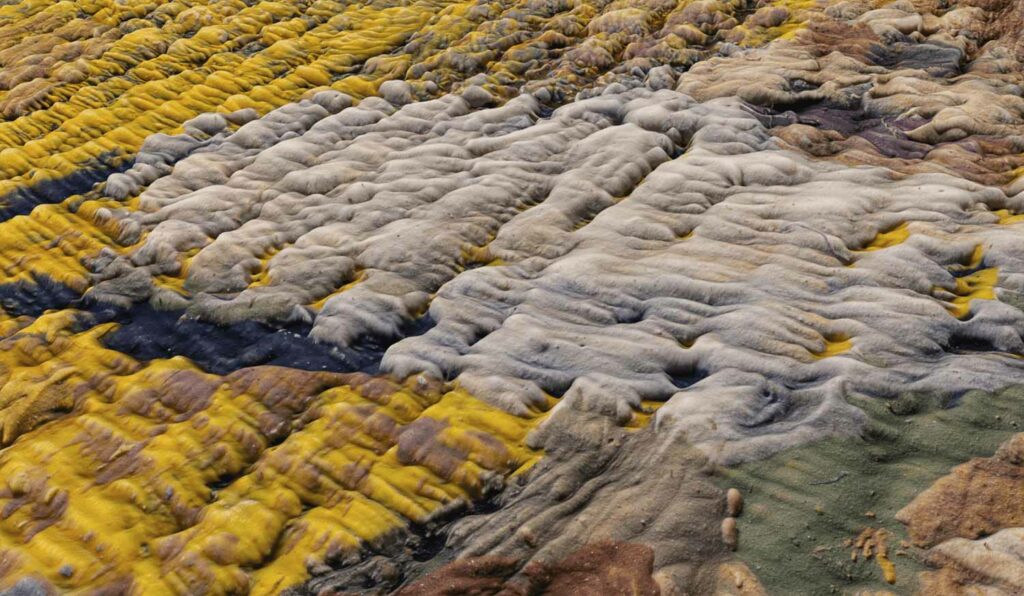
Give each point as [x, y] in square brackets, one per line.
[51, 242]
[782, 20]
[873, 543]
[172, 480]
[976, 286]
[895, 236]
[177, 63]
[84, 83]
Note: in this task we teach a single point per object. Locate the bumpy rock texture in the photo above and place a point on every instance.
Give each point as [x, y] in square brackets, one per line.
[85, 83]
[147, 474]
[435, 296]
[972, 521]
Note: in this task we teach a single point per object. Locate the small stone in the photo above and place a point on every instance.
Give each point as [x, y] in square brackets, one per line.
[527, 535]
[734, 502]
[730, 534]
[386, 572]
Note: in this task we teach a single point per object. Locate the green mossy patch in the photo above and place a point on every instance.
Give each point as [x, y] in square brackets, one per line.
[802, 506]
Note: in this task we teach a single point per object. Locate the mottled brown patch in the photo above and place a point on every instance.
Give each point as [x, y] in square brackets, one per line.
[187, 392]
[419, 443]
[285, 391]
[480, 575]
[949, 581]
[1000, 21]
[122, 464]
[976, 499]
[376, 389]
[989, 161]
[603, 568]
[856, 40]
[118, 587]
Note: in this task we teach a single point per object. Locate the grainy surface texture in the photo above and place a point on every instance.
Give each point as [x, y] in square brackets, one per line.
[647, 297]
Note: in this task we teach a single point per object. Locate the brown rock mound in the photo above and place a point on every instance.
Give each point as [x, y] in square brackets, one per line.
[976, 499]
[603, 568]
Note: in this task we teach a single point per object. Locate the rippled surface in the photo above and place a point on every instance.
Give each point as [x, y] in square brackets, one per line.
[435, 297]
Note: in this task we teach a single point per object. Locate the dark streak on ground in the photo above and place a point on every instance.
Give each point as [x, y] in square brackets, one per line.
[24, 199]
[147, 334]
[33, 298]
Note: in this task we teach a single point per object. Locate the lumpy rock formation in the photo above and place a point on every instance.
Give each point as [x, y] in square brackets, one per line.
[514, 297]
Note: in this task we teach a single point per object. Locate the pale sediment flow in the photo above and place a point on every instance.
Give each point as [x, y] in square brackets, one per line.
[749, 274]
[636, 246]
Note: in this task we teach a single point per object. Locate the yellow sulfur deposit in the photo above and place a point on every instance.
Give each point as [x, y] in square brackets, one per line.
[776, 20]
[84, 83]
[892, 237]
[971, 282]
[1007, 218]
[177, 62]
[51, 242]
[834, 346]
[120, 486]
[976, 286]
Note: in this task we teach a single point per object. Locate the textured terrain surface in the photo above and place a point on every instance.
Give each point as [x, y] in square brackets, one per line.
[519, 297]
